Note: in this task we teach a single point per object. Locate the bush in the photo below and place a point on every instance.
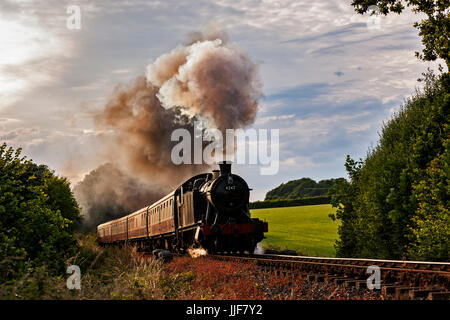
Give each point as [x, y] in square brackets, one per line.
[106, 273]
[38, 215]
[396, 202]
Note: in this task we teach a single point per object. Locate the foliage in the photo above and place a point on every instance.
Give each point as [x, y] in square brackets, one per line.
[106, 273]
[431, 226]
[289, 202]
[434, 30]
[396, 202]
[37, 216]
[301, 188]
[123, 273]
[207, 278]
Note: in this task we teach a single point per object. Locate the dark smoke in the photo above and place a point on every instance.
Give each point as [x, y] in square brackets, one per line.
[205, 79]
[209, 78]
[142, 128]
[107, 193]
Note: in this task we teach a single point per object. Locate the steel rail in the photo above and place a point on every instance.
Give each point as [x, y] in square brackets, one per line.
[410, 273]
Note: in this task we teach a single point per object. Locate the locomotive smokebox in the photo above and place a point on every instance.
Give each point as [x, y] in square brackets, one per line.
[225, 167]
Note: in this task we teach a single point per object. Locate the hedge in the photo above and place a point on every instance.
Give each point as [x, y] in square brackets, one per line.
[289, 202]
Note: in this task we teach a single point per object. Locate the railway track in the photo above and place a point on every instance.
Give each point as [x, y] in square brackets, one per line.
[399, 279]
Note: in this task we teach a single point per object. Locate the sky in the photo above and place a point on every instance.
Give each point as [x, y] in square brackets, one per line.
[330, 78]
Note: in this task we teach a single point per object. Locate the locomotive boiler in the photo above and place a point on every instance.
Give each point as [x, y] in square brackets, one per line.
[209, 210]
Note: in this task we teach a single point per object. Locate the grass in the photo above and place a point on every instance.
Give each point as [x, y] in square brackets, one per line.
[122, 273]
[305, 229]
[106, 273]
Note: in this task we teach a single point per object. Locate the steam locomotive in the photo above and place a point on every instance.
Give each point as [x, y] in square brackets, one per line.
[209, 210]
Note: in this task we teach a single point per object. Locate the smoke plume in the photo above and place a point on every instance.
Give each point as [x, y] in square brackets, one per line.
[107, 193]
[207, 79]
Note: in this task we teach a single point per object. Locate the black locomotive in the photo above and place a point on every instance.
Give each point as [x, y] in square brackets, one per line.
[210, 210]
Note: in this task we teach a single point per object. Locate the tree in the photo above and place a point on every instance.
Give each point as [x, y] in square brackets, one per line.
[37, 216]
[300, 188]
[343, 197]
[396, 202]
[434, 30]
[430, 228]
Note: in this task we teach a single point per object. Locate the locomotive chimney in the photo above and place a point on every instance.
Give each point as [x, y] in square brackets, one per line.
[225, 167]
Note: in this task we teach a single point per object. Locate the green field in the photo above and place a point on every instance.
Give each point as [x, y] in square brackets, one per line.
[306, 229]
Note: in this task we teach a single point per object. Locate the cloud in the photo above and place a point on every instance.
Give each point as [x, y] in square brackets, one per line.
[13, 135]
[32, 48]
[328, 80]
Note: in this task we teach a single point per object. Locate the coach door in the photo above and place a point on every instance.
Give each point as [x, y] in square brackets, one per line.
[179, 199]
